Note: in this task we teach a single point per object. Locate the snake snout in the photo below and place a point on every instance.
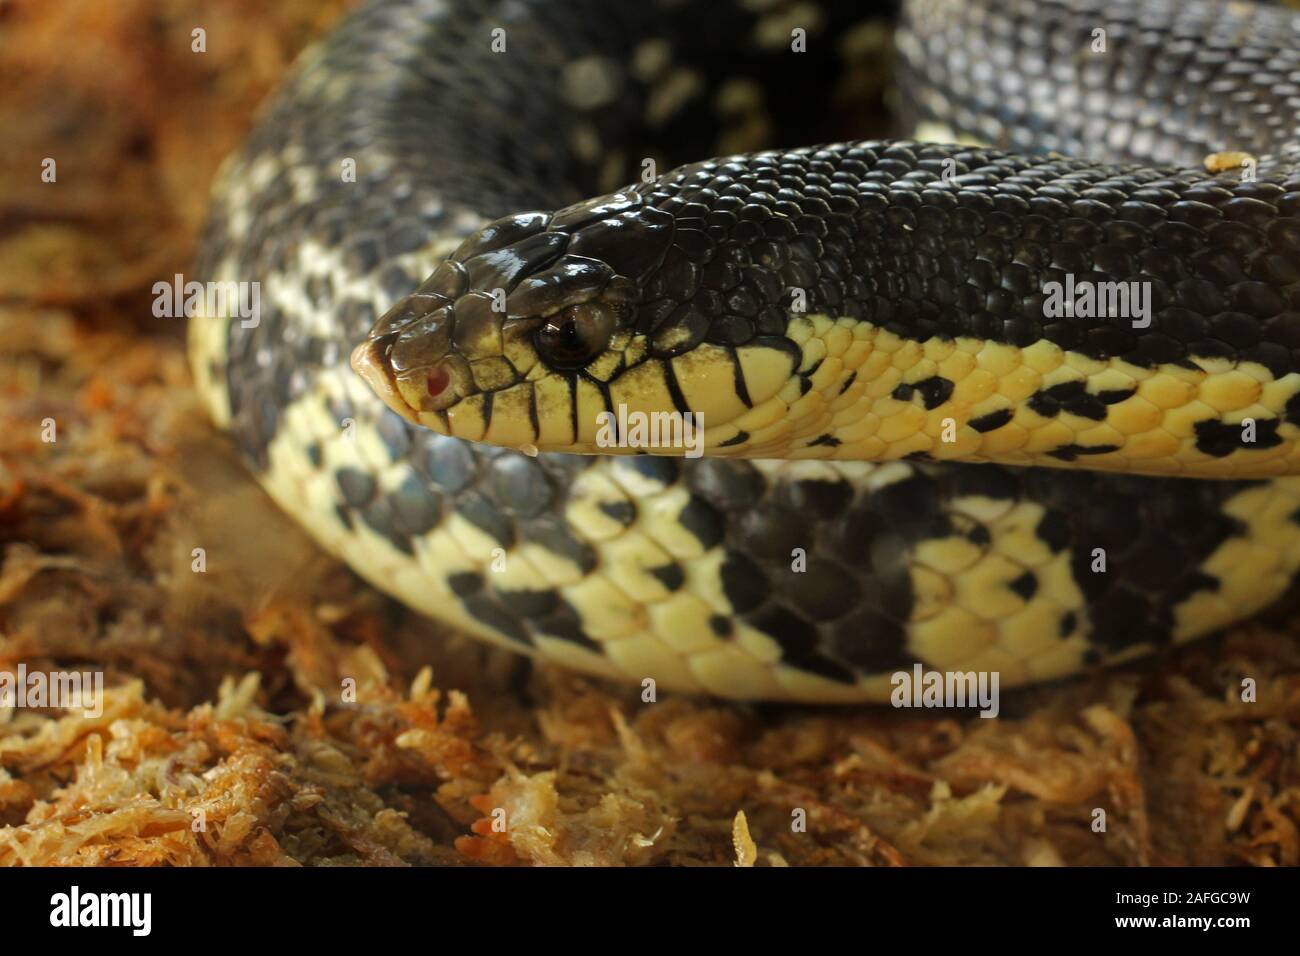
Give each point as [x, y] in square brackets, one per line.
[369, 362]
[408, 358]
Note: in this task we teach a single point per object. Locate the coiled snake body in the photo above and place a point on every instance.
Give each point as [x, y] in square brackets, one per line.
[913, 454]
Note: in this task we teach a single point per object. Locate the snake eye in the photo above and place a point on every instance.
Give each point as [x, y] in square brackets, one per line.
[575, 336]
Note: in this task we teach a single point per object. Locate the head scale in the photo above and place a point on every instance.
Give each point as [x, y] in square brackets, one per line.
[539, 322]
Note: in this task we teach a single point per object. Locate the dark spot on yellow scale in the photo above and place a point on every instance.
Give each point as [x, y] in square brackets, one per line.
[1054, 531]
[675, 389]
[1068, 624]
[533, 419]
[986, 423]
[567, 626]
[484, 609]
[738, 378]
[830, 441]
[720, 625]
[738, 439]
[1221, 439]
[1072, 397]
[624, 512]
[553, 534]
[1293, 408]
[669, 575]
[1026, 585]
[702, 520]
[848, 382]
[344, 516]
[1072, 451]
[934, 391]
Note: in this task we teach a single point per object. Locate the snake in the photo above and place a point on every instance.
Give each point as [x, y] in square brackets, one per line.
[1012, 391]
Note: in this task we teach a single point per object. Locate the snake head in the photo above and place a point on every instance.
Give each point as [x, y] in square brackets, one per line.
[540, 322]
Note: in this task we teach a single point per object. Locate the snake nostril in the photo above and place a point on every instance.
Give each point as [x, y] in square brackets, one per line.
[438, 381]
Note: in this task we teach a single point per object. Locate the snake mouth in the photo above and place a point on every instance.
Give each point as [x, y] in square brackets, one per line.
[420, 394]
[368, 361]
[421, 362]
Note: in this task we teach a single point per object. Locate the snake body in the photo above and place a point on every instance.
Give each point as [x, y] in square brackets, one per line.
[910, 455]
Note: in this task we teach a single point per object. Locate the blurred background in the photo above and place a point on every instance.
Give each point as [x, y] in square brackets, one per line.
[224, 685]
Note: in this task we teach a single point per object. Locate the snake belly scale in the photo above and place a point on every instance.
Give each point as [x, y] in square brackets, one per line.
[909, 457]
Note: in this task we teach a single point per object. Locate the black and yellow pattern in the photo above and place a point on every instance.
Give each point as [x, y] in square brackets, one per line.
[912, 454]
